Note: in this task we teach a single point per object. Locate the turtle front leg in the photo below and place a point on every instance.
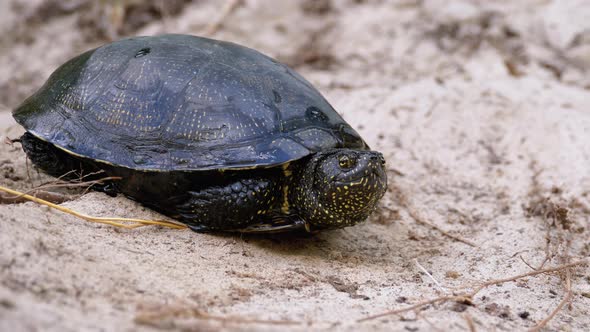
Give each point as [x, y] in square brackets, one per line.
[229, 207]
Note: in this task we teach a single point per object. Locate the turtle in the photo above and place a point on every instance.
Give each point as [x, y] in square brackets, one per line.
[211, 133]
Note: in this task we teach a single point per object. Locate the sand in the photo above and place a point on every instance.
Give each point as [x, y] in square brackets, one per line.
[480, 107]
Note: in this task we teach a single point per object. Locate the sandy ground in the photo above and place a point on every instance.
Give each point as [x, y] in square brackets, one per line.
[481, 108]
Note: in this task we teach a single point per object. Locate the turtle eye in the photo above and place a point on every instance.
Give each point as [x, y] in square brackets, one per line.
[346, 162]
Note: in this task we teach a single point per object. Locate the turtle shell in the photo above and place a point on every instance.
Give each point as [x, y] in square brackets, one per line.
[179, 102]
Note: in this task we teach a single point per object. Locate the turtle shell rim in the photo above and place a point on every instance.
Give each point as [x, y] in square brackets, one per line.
[237, 168]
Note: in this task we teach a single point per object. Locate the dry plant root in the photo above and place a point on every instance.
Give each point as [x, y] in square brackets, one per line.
[127, 223]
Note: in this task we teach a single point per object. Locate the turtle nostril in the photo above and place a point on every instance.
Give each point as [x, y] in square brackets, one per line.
[142, 52]
[378, 158]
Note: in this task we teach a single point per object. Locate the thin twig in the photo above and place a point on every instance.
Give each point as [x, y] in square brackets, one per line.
[81, 177]
[85, 184]
[53, 197]
[214, 26]
[470, 323]
[547, 246]
[564, 301]
[549, 227]
[433, 326]
[528, 274]
[468, 296]
[414, 307]
[420, 220]
[430, 276]
[564, 238]
[527, 263]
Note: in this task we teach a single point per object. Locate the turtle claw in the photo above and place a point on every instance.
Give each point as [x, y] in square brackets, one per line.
[277, 225]
[200, 228]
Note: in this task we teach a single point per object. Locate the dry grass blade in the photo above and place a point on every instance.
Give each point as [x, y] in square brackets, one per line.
[128, 223]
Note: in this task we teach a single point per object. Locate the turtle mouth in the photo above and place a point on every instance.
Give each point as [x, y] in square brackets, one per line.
[352, 176]
[362, 180]
[352, 181]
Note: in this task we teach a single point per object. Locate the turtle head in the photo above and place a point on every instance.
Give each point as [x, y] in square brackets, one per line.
[339, 187]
